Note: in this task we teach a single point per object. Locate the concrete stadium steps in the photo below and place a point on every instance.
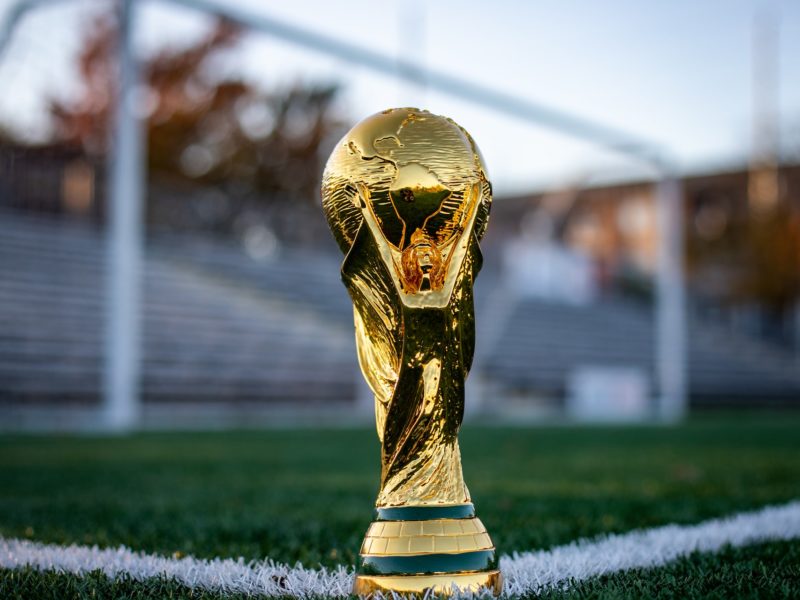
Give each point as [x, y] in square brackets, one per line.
[542, 342]
[219, 326]
[205, 339]
[309, 280]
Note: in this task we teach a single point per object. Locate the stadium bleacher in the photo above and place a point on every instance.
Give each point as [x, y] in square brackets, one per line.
[205, 336]
[541, 342]
[222, 327]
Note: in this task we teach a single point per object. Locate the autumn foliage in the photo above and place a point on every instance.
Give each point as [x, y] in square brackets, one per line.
[205, 131]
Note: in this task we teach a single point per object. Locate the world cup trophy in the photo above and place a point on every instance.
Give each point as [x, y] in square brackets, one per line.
[407, 198]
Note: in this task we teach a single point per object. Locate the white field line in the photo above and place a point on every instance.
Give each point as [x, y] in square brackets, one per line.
[534, 571]
[524, 573]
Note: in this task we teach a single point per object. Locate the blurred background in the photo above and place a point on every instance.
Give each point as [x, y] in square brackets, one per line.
[164, 259]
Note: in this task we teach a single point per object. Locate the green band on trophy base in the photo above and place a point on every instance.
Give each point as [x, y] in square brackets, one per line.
[427, 564]
[423, 513]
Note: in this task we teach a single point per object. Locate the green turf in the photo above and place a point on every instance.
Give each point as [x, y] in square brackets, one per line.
[763, 571]
[307, 495]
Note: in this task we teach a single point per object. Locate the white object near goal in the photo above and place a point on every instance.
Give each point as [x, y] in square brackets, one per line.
[608, 394]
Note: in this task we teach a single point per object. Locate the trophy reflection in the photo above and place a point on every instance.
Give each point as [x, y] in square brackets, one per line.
[406, 196]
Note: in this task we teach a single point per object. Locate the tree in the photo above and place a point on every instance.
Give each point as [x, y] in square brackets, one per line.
[770, 256]
[755, 257]
[205, 131]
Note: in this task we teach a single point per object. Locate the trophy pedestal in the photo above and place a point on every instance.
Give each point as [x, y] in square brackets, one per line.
[414, 549]
[366, 585]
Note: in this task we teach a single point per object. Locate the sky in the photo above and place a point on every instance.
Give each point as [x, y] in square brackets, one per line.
[678, 74]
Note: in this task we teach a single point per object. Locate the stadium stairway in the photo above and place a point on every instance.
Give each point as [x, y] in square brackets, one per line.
[205, 338]
[540, 343]
[220, 328]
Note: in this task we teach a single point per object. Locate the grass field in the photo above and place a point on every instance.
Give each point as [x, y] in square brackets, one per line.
[307, 495]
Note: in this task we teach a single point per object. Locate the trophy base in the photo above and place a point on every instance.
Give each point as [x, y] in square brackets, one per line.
[442, 584]
[434, 548]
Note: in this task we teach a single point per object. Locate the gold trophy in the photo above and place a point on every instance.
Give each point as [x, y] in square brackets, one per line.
[406, 195]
